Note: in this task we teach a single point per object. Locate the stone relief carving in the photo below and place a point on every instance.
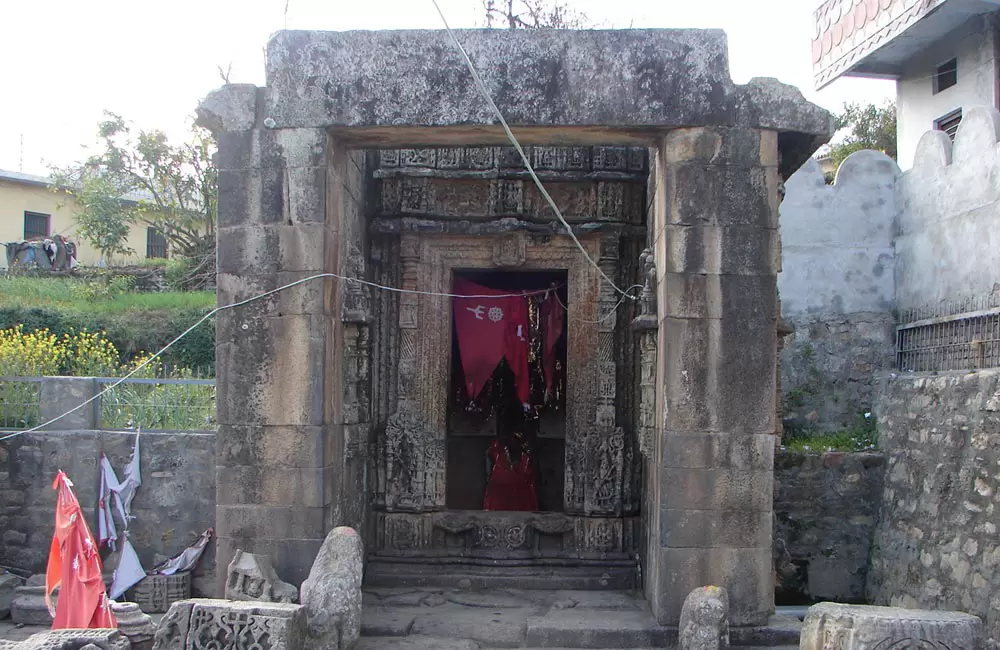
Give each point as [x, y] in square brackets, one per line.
[509, 251]
[251, 577]
[204, 624]
[413, 461]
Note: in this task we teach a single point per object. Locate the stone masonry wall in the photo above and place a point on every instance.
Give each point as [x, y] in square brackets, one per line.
[175, 503]
[947, 248]
[936, 542]
[837, 288]
[824, 518]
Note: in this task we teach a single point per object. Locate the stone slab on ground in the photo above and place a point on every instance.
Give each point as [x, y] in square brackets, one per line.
[414, 643]
[8, 583]
[854, 627]
[598, 600]
[593, 628]
[381, 621]
[498, 628]
[779, 630]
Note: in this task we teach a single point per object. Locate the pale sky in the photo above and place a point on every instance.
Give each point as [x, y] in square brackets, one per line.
[65, 61]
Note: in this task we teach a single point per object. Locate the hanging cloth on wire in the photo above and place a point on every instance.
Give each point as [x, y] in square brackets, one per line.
[74, 567]
[488, 330]
[187, 559]
[129, 571]
[119, 493]
[552, 316]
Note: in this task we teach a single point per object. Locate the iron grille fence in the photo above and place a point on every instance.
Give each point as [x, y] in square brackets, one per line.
[152, 404]
[20, 402]
[958, 336]
[158, 404]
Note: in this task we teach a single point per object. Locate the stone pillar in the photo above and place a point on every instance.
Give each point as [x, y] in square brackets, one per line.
[276, 416]
[58, 395]
[716, 255]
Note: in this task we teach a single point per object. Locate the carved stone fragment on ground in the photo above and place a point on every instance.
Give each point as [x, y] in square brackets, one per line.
[134, 624]
[704, 623]
[332, 592]
[155, 593]
[103, 639]
[200, 624]
[831, 626]
[251, 577]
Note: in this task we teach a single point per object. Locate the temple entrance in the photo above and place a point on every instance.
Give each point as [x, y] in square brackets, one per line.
[504, 453]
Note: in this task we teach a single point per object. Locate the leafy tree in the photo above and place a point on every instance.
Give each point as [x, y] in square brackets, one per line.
[870, 127]
[103, 220]
[169, 187]
[533, 14]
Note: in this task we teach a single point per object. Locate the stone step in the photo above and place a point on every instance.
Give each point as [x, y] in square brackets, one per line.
[436, 643]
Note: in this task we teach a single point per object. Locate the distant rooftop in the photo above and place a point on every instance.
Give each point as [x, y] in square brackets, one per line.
[875, 38]
[44, 181]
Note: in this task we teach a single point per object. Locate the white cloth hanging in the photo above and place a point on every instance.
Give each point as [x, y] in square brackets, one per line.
[187, 559]
[106, 531]
[129, 571]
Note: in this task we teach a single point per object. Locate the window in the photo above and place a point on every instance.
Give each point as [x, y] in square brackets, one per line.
[156, 243]
[946, 76]
[36, 225]
[949, 123]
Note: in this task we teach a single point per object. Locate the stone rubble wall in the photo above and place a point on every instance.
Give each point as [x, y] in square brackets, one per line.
[837, 288]
[175, 503]
[825, 506]
[936, 543]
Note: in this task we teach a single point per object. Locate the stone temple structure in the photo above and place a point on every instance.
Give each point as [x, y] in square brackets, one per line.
[372, 155]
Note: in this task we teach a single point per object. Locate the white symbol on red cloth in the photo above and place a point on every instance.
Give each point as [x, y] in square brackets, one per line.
[495, 314]
[478, 311]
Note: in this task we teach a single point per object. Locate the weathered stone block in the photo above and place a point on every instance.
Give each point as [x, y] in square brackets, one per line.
[692, 295]
[247, 197]
[680, 528]
[717, 489]
[737, 250]
[745, 573]
[332, 592]
[308, 297]
[307, 189]
[230, 108]
[59, 394]
[8, 585]
[28, 606]
[704, 623]
[287, 446]
[719, 195]
[257, 485]
[282, 382]
[155, 593]
[856, 627]
[231, 625]
[750, 452]
[251, 577]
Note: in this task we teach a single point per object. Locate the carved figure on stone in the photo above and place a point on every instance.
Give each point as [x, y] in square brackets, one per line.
[832, 626]
[647, 260]
[411, 456]
[704, 623]
[331, 594]
[251, 577]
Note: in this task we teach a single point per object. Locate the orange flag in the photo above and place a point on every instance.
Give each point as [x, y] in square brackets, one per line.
[75, 567]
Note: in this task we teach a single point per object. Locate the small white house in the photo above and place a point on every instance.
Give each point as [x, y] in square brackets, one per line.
[943, 55]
